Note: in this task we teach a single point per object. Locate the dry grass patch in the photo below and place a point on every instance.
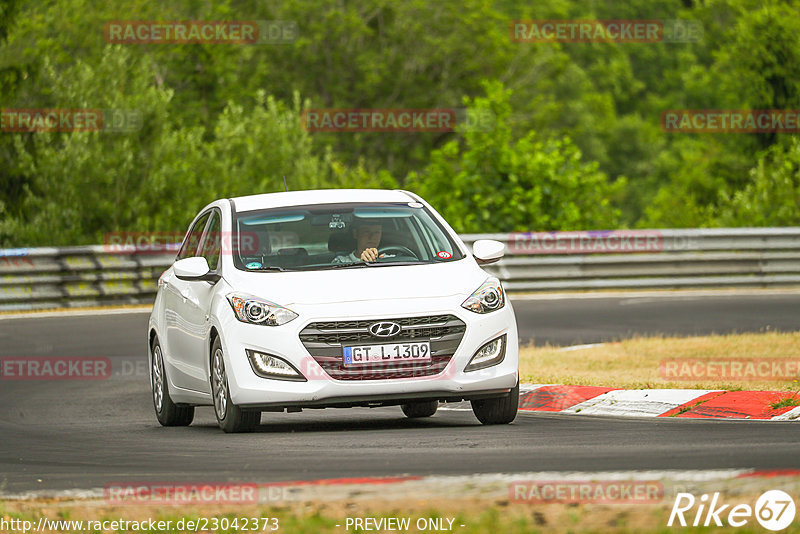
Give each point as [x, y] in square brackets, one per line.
[634, 363]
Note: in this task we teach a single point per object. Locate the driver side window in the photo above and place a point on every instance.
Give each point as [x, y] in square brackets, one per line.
[212, 242]
[192, 241]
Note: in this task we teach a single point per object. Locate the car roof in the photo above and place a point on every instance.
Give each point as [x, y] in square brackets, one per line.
[319, 196]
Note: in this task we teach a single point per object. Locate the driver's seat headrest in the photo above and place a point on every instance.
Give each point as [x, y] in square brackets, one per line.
[341, 242]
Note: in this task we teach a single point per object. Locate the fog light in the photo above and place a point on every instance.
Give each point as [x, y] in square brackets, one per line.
[271, 366]
[488, 355]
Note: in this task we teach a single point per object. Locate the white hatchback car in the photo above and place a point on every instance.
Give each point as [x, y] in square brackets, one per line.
[330, 298]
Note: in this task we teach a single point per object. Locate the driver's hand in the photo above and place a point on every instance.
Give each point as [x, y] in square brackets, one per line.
[369, 254]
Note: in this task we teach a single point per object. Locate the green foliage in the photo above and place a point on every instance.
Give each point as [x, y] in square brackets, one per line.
[578, 142]
[494, 183]
[85, 183]
[772, 194]
[8, 10]
[156, 178]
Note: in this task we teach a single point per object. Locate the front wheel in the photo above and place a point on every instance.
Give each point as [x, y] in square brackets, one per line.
[497, 411]
[230, 417]
[167, 412]
[420, 409]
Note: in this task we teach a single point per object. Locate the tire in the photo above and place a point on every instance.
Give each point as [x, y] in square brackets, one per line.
[230, 417]
[415, 410]
[167, 412]
[497, 411]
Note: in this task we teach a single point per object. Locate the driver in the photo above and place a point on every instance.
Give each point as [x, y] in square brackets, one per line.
[368, 239]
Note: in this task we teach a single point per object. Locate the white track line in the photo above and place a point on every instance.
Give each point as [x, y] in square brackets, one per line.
[636, 402]
[75, 313]
[580, 347]
[791, 415]
[667, 293]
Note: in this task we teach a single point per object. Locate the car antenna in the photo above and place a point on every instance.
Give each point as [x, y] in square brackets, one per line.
[286, 187]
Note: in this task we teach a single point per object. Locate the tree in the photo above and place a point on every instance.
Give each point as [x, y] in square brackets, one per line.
[11, 181]
[772, 195]
[156, 178]
[494, 183]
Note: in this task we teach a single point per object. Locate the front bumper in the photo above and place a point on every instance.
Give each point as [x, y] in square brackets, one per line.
[321, 390]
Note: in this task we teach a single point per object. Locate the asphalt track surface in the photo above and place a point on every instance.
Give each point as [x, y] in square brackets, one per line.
[59, 435]
[575, 321]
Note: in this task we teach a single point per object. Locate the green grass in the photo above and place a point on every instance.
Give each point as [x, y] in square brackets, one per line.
[635, 363]
[788, 401]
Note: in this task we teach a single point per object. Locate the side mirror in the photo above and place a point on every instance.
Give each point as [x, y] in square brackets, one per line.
[192, 269]
[488, 251]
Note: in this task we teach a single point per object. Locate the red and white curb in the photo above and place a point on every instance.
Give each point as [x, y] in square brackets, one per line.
[680, 403]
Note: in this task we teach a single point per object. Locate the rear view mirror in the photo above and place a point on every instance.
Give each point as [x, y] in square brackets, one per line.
[488, 251]
[192, 269]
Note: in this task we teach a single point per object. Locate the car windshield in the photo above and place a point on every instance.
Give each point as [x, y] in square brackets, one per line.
[334, 236]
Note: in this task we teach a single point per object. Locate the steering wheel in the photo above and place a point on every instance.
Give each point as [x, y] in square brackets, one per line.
[403, 251]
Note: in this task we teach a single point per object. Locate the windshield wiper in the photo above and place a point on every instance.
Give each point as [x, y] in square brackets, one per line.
[384, 263]
[341, 266]
[272, 268]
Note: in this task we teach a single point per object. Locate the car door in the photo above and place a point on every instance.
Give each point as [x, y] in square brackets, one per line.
[183, 317]
[197, 307]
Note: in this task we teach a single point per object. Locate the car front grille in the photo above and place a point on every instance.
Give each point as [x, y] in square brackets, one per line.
[324, 341]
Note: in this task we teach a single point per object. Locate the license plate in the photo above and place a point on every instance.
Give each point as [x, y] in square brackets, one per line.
[388, 352]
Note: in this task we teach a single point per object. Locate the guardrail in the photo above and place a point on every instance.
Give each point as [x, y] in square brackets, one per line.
[679, 259]
[41, 278]
[37, 278]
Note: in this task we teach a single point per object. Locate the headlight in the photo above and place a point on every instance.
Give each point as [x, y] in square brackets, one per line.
[250, 309]
[271, 366]
[487, 298]
[488, 355]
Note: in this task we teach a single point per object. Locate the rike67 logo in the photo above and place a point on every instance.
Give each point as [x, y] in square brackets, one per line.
[774, 510]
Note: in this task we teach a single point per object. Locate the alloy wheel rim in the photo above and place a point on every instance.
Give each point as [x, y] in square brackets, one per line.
[158, 379]
[220, 385]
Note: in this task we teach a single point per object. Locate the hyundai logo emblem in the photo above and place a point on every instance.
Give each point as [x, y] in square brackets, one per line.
[384, 329]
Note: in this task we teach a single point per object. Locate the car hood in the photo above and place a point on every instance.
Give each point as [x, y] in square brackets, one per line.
[362, 283]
